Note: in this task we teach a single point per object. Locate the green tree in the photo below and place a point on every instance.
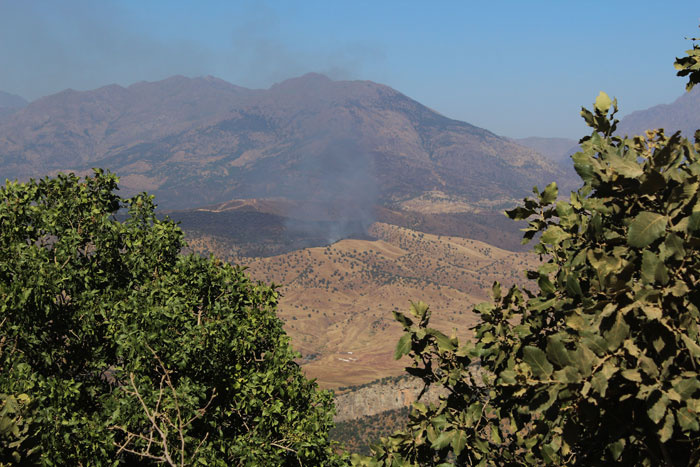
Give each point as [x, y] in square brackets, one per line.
[600, 363]
[116, 349]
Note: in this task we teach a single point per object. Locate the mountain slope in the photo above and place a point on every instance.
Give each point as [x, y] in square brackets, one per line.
[265, 227]
[682, 114]
[14, 101]
[10, 103]
[555, 149]
[200, 141]
[337, 301]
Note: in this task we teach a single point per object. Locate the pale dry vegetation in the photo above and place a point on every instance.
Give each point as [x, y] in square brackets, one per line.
[337, 300]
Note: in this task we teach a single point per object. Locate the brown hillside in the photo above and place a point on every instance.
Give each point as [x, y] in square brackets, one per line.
[200, 141]
[337, 300]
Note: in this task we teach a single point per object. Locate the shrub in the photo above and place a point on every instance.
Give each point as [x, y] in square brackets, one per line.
[599, 364]
[117, 349]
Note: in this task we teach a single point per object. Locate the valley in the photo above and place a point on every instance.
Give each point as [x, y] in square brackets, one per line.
[337, 300]
[222, 222]
[351, 197]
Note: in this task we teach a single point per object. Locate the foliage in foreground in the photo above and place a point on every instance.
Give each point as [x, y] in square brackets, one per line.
[114, 348]
[600, 364]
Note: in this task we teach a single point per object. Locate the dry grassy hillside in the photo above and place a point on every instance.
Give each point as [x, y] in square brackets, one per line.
[337, 300]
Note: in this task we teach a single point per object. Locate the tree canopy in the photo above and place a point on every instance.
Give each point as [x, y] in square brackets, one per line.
[115, 348]
[599, 363]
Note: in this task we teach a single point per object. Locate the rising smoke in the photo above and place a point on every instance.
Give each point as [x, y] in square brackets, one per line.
[337, 198]
[48, 46]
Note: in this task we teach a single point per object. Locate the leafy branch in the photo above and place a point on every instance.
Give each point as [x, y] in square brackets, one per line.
[161, 421]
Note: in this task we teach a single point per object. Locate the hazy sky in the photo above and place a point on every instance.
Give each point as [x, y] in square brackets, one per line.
[518, 68]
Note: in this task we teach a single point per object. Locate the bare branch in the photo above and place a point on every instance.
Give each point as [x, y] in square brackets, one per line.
[286, 448]
[159, 421]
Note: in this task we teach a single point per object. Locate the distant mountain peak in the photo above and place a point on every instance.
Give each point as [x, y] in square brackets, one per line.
[12, 101]
[180, 83]
[312, 75]
[309, 80]
[214, 79]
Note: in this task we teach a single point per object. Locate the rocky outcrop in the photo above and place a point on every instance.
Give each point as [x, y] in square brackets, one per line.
[381, 396]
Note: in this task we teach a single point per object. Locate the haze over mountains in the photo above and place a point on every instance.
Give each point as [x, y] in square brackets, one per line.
[10, 103]
[273, 178]
[682, 114]
[11, 100]
[200, 141]
[328, 157]
[555, 149]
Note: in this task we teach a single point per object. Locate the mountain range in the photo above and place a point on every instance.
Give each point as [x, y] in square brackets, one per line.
[273, 179]
[323, 159]
[198, 141]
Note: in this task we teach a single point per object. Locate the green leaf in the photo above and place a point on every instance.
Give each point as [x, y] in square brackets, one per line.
[658, 408]
[543, 399]
[584, 359]
[519, 213]
[546, 285]
[403, 347]
[419, 309]
[602, 103]
[496, 291]
[403, 319]
[687, 420]
[679, 289]
[549, 194]
[444, 343]
[652, 312]
[495, 437]
[588, 117]
[567, 375]
[648, 366]
[632, 375]
[507, 376]
[554, 235]
[674, 246]
[617, 448]
[459, 441]
[576, 322]
[645, 228]
[694, 222]
[619, 331]
[537, 360]
[573, 286]
[444, 439]
[583, 164]
[653, 269]
[624, 167]
[691, 345]
[687, 387]
[556, 352]
[666, 430]
[599, 383]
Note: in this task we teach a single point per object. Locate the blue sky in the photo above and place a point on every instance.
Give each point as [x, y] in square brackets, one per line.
[519, 69]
